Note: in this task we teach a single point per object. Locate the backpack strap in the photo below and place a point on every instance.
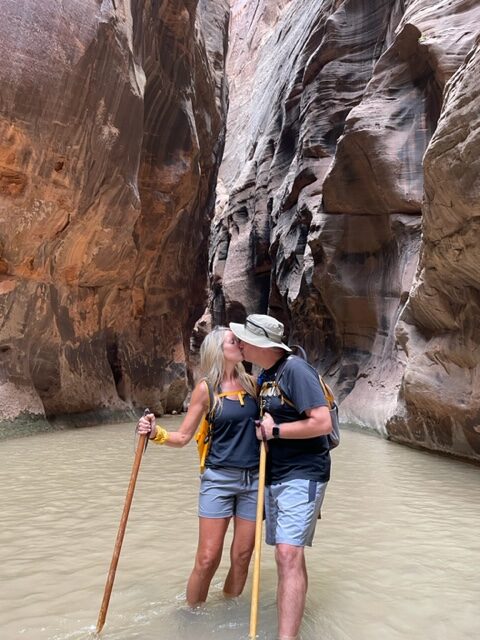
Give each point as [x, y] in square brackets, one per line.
[327, 392]
[278, 375]
[265, 386]
[240, 393]
[211, 398]
[333, 437]
[205, 428]
[299, 351]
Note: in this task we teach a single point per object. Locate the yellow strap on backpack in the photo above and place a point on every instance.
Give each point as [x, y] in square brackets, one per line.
[203, 435]
[327, 392]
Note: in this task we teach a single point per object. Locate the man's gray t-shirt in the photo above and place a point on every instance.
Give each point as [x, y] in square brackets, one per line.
[305, 458]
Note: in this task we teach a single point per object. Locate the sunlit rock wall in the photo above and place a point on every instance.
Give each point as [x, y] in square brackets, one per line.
[333, 105]
[111, 130]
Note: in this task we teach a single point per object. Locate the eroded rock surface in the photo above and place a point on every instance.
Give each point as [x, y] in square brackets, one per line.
[439, 329]
[111, 129]
[333, 105]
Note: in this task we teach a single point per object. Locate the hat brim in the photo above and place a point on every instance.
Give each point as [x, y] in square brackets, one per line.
[247, 336]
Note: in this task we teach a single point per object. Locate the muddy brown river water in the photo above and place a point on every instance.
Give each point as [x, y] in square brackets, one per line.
[396, 555]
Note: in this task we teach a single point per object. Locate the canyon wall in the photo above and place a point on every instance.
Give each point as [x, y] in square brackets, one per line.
[350, 154]
[346, 204]
[112, 119]
[439, 328]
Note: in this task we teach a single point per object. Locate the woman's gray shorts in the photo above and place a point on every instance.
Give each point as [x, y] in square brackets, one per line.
[292, 509]
[227, 492]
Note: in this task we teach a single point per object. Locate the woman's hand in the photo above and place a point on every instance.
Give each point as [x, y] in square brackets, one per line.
[146, 426]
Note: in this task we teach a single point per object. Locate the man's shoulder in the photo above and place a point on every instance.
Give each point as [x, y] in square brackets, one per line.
[295, 363]
[296, 369]
[300, 382]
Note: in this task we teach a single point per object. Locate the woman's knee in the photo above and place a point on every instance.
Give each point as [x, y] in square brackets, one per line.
[207, 561]
[241, 557]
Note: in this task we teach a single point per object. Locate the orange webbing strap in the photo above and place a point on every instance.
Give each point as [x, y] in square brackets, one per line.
[204, 433]
[240, 393]
[210, 396]
[327, 392]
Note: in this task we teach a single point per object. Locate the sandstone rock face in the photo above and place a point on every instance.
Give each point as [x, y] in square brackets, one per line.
[333, 105]
[439, 328]
[111, 130]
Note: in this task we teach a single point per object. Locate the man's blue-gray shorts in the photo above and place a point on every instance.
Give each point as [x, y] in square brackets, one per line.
[292, 509]
[226, 492]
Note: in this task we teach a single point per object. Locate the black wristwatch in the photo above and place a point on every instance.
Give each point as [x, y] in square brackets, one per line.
[276, 431]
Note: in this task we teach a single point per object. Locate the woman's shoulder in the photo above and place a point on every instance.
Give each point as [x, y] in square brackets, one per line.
[203, 392]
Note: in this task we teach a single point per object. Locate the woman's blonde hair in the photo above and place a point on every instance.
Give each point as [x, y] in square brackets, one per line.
[212, 363]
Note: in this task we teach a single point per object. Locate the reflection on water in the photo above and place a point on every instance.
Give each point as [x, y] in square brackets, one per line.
[396, 554]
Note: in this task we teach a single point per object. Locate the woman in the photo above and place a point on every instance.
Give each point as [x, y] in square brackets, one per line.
[229, 483]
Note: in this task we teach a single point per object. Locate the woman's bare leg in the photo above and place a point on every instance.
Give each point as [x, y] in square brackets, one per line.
[209, 553]
[240, 555]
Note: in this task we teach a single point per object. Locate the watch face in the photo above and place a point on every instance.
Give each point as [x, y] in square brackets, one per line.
[276, 432]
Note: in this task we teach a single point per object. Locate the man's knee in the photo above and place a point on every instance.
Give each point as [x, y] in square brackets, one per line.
[289, 557]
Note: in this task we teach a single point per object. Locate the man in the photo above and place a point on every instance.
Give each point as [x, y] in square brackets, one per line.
[296, 421]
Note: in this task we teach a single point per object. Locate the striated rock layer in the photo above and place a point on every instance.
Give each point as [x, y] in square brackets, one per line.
[439, 329]
[333, 105]
[111, 129]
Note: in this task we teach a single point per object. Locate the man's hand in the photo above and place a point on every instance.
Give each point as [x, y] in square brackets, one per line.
[264, 427]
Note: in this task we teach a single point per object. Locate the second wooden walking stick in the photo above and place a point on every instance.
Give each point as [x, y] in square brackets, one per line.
[258, 542]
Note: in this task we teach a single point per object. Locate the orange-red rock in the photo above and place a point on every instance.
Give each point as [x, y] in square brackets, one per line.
[111, 129]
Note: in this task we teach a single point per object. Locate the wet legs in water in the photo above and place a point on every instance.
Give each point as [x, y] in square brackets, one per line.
[291, 590]
[209, 553]
[240, 556]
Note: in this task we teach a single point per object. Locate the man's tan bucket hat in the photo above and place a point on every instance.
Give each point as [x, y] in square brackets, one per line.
[261, 331]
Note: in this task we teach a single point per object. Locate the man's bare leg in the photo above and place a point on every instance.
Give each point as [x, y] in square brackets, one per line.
[291, 590]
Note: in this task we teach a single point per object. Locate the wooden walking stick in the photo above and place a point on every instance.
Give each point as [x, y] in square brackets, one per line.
[258, 542]
[141, 446]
